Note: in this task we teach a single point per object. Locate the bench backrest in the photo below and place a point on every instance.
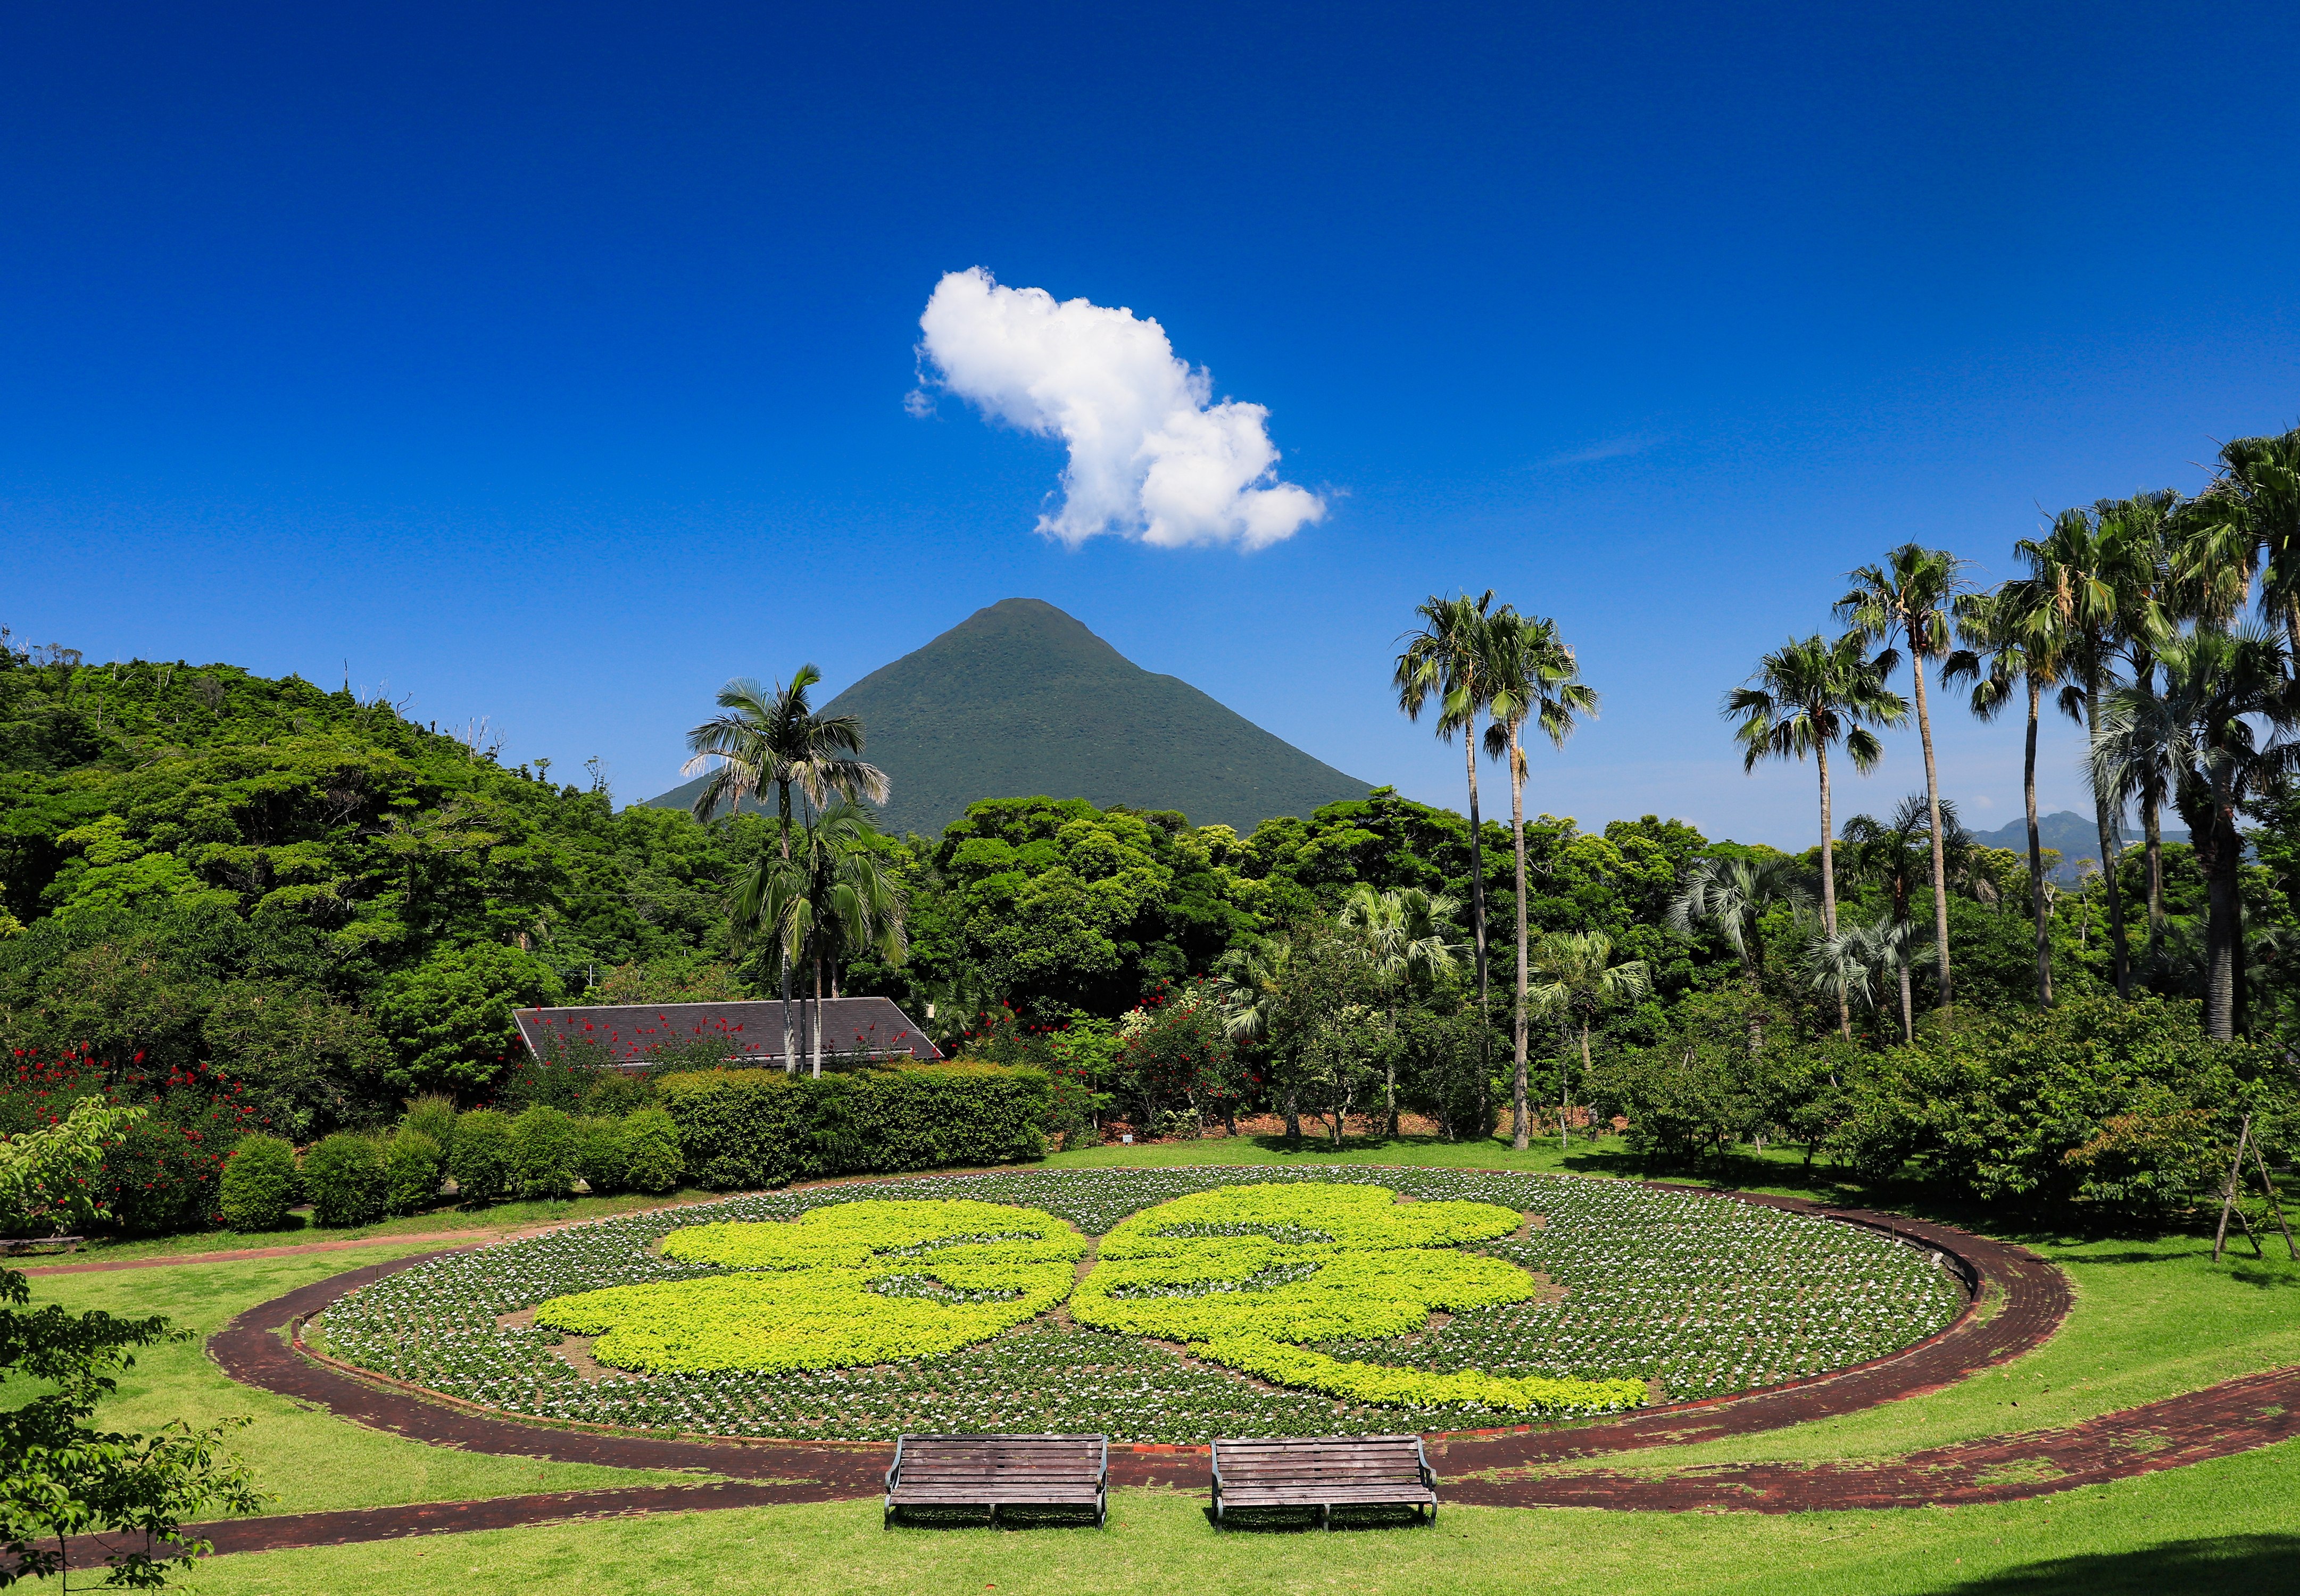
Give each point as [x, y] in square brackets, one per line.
[1362, 1459]
[919, 1459]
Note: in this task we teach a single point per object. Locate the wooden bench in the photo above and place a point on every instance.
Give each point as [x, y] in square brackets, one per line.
[1348, 1471]
[997, 1471]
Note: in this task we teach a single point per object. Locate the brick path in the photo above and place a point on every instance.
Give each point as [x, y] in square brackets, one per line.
[2028, 1298]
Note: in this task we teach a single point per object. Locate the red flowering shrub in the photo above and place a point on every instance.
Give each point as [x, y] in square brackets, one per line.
[1177, 1067]
[165, 1175]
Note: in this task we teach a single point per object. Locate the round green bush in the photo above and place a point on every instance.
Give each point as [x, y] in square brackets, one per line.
[344, 1177]
[599, 1155]
[479, 1157]
[652, 1160]
[543, 1151]
[259, 1184]
[411, 1166]
[433, 1116]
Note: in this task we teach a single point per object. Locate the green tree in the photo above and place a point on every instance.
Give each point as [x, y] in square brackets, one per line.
[449, 1019]
[1804, 698]
[1448, 663]
[2245, 525]
[775, 739]
[1912, 592]
[1894, 856]
[1535, 679]
[2222, 689]
[1404, 930]
[2095, 575]
[64, 1476]
[1579, 981]
[1731, 896]
[833, 895]
[2013, 642]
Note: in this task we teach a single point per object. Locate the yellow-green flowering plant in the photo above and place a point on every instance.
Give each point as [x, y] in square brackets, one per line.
[1248, 1274]
[857, 1284]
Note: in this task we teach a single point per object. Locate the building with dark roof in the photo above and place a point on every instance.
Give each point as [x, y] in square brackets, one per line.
[633, 1032]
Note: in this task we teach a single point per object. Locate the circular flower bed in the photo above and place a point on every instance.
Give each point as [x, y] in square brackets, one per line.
[1221, 1301]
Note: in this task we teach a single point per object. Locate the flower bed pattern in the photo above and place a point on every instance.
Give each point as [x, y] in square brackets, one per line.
[1702, 1295]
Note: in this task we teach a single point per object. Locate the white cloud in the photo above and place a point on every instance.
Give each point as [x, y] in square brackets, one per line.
[1151, 455]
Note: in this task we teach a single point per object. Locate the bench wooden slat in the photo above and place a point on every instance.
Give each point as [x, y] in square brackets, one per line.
[1324, 1474]
[999, 1471]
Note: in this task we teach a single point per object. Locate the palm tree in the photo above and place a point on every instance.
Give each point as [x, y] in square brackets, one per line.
[1447, 661]
[2153, 592]
[775, 739]
[1732, 895]
[1853, 965]
[2092, 576]
[2014, 637]
[1535, 679]
[1405, 933]
[1891, 855]
[1803, 698]
[1911, 593]
[2221, 688]
[830, 897]
[1250, 978]
[1578, 982]
[2247, 523]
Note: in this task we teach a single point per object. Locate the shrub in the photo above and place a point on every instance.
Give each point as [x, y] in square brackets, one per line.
[164, 1173]
[751, 1127]
[344, 1177]
[599, 1154]
[412, 1167]
[650, 1151]
[449, 1019]
[543, 1151]
[479, 1158]
[432, 1116]
[259, 1184]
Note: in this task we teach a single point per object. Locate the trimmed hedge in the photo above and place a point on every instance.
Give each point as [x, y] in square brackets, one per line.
[344, 1177]
[259, 1184]
[740, 1129]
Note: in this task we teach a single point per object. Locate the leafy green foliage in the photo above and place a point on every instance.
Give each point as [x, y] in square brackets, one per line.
[479, 1158]
[344, 1177]
[652, 1160]
[753, 1128]
[450, 1018]
[259, 1184]
[412, 1165]
[543, 1150]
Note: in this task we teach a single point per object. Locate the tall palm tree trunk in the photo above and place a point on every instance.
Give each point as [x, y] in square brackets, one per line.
[1908, 1007]
[1477, 927]
[2223, 927]
[1828, 882]
[1932, 806]
[2036, 854]
[2103, 818]
[1518, 1132]
[791, 1039]
[2152, 832]
[818, 1015]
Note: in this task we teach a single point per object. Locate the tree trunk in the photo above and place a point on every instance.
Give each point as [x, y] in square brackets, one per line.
[2222, 926]
[1565, 1092]
[2151, 833]
[2037, 854]
[818, 1017]
[1477, 864]
[1932, 806]
[1828, 883]
[792, 1041]
[1908, 1008]
[1293, 1114]
[1750, 979]
[1518, 1132]
[2104, 819]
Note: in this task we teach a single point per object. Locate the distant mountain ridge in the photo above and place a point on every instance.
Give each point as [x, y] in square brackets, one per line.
[2076, 836]
[1020, 700]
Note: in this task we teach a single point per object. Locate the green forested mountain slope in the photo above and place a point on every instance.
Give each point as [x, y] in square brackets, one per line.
[1019, 700]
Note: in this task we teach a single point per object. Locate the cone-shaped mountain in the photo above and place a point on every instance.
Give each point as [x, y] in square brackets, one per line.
[1020, 701]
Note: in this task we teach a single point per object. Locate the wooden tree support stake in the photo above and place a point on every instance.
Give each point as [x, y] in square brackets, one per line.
[2228, 1192]
[2269, 1185]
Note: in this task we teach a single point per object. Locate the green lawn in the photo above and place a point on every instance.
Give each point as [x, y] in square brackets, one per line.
[2151, 1317]
[305, 1459]
[2212, 1527]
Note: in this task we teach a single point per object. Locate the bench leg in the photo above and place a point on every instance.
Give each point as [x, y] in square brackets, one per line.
[1326, 1516]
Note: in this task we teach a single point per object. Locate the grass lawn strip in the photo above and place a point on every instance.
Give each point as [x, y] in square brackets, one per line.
[1707, 1297]
[2212, 1527]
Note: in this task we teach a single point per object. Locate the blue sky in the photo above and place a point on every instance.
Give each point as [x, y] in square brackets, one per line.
[549, 364]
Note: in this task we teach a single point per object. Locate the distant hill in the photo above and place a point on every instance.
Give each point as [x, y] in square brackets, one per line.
[2074, 834]
[1021, 701]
